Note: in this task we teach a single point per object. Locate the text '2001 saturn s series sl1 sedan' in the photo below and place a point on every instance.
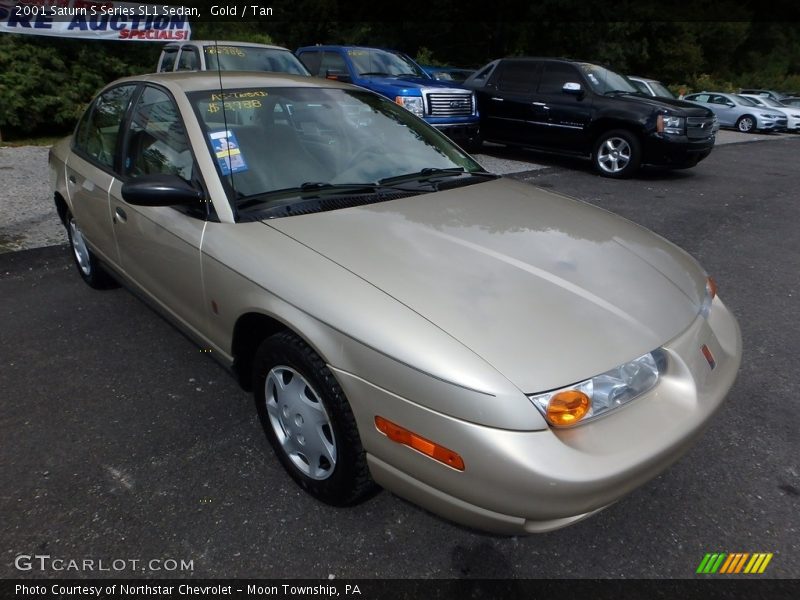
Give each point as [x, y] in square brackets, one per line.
[506, 357]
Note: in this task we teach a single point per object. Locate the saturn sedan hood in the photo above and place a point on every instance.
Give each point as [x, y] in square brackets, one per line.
[546, 289]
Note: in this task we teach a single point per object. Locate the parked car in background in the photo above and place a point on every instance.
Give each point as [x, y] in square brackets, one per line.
[584, 109]
[651, 87]
[791, 101]
[792, 113]
[448, 107]
[202, 55]
[448, 73]
[506, 357]
[768, 93]
[739, 112]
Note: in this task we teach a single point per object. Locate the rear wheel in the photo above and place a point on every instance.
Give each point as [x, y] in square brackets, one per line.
[746, 124]
[617, 154]
[90, 269]
[308, 421]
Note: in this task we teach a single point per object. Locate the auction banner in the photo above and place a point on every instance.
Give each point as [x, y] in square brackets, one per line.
[97, 19]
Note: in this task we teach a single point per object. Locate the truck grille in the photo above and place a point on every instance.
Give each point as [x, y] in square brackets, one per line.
[699, 127]
[450, 104]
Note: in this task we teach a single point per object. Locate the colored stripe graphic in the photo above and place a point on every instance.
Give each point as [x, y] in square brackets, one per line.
[734, 563]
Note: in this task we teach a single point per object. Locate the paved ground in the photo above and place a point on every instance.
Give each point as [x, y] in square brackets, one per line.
[120, 440]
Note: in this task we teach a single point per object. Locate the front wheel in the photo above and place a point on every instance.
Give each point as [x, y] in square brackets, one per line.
[309, 423]
[746, 124]
[617, 154]
[90, 269]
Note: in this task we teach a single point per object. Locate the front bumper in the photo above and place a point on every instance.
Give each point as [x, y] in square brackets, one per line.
[459, 132]
[676, 151]
[524, 482]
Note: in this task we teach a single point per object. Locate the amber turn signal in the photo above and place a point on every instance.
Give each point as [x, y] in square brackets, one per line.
[567, 408]
[401, 435]
[711, 287]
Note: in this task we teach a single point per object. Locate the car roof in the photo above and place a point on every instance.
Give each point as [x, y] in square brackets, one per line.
[194, 81]
[205, 43]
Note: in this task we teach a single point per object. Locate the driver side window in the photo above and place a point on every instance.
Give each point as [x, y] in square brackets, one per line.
[157, 142]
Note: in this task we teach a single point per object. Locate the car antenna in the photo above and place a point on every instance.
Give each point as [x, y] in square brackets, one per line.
[225, 121]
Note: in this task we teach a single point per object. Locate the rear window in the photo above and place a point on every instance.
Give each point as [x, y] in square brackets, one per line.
[248, 58]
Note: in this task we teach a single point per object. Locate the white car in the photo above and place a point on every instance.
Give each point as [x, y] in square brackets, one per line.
[792, 112]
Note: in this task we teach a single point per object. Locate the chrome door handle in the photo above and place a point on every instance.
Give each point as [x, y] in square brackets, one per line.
[496, 99]
[119, 215]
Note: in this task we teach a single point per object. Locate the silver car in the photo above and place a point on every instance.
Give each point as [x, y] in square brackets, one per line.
[504, 356]
[792, 113]
[739, 112]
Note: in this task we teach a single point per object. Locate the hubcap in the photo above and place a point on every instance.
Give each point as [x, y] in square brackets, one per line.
[614, 155]
[745, 125]
[80, 249]
[300, 422]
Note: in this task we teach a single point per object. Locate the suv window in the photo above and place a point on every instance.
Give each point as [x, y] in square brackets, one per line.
[555, 75]
[332, 61]
[189, 60]
[517, 77]
[312, 61]
[98, 130]
[168, 61]
[157, 141]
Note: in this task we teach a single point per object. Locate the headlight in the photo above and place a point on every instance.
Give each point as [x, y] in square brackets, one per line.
[670, 124]
[411, 103]
[588, 399]
[795, 116]
[768, 116]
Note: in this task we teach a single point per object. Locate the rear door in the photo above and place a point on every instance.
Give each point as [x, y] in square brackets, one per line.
[507, 112]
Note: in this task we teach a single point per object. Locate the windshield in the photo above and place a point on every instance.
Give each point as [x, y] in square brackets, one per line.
[292, 140]
[603, 81]
[253, 58]
[381, 62]
[745, 101]
[660, 90]
[770, 102]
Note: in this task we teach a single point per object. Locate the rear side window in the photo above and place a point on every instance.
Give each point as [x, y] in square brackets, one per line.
[517, 77]
[699, 98]
[98, 130]
[168, 61]
[555, 75]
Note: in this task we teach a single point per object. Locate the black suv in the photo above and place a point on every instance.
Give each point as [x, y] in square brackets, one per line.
[584, 109]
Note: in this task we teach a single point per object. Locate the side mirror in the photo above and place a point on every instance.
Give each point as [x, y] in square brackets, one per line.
[730, 104]
[572, 88]
[160, 190]
[338, 76]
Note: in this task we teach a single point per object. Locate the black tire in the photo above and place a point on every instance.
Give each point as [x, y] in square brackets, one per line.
[746, 124]
[346, 480]
[617, 154]
[89, 267]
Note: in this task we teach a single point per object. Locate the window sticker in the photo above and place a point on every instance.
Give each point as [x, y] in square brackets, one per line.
[226, 149]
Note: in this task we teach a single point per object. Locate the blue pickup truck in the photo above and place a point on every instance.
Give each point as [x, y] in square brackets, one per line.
[450, 108]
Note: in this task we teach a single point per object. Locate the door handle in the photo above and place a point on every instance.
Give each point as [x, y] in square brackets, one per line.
[72, 179]
[541, 104]
[119, 215]
[496, 99]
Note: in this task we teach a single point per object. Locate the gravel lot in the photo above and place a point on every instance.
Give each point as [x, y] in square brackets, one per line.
[29, 220]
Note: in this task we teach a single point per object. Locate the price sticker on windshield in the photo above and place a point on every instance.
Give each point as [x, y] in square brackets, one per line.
[227, 151]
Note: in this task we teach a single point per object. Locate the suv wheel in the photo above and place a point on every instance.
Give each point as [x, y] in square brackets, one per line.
[746, 124]
[617, 154]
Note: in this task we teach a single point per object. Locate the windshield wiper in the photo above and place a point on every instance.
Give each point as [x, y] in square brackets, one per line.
[607, 92]
[305, 190]
[425, 173]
